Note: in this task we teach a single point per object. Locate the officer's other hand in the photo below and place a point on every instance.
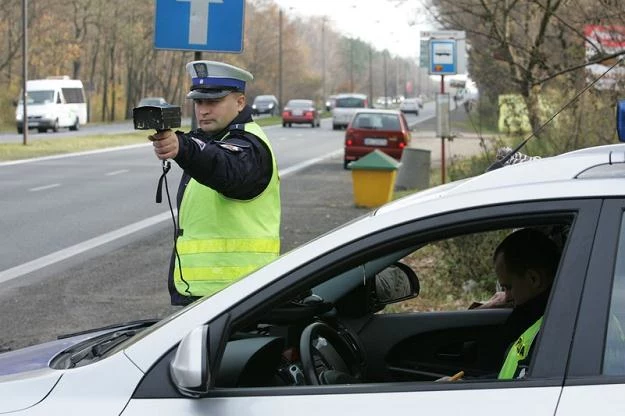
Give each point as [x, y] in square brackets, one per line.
[165, 144]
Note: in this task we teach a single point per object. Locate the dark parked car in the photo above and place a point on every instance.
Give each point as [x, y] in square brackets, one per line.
[154, 101]
[386, 130]
[301, 112]
[265, 104]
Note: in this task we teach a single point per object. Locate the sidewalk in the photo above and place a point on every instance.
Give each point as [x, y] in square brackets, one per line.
[321, 197]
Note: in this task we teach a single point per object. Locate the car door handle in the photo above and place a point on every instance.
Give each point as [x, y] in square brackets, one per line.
[457, 352]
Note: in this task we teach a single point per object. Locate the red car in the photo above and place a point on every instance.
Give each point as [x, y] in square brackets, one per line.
[370, 129]
[301, 112]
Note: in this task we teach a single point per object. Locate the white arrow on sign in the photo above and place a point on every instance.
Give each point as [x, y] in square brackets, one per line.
[198, 20]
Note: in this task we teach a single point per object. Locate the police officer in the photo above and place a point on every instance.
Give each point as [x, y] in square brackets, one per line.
[229, 195]
[526, 262]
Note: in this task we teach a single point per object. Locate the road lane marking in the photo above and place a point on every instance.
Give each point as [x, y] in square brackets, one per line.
[86, 152]
[117, 172]
[79, 248]
[95, 242]
[43, 188]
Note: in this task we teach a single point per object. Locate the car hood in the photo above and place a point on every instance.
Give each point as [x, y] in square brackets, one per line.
[37, 356]
[24, 390]
[40, 356]
[25, 375]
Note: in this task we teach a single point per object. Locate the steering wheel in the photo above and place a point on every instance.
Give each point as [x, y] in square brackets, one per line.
[327, 358]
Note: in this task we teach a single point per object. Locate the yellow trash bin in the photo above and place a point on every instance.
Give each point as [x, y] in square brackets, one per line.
[373, 179]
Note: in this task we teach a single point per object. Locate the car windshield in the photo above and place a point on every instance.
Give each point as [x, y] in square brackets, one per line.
[376, 121]
[152, 101]
[40, 97]
[299, 104]
[263, 100]
[350, 102]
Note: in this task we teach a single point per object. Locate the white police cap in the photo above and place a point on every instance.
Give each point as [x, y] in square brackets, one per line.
[212, 80]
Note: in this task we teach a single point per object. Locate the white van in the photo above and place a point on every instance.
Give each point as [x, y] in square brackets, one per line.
[345, 106]
[53, 103]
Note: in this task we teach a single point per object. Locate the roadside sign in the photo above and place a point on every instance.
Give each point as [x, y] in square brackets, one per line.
[424, 54]
[443, 34]
[442, 115]
[443, 57]
[199, 25]
[458, 36]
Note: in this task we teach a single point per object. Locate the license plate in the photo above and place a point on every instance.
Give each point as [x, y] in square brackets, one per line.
[297, 112]
[375, 142]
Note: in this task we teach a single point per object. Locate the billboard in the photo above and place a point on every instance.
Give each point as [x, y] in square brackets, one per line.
[601, 41]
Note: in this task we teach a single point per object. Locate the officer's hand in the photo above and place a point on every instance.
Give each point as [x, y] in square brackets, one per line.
[165, 144]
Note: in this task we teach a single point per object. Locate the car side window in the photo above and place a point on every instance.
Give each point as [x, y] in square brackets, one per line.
[453, 272]
[614, 352]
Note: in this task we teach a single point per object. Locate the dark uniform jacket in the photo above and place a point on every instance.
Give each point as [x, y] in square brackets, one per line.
[239, 167]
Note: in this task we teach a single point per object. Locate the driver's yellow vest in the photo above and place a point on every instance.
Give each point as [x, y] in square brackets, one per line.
[519, 351]
[225, 239]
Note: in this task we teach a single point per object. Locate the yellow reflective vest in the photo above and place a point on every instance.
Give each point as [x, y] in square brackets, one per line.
[225, 239]
[519, 351]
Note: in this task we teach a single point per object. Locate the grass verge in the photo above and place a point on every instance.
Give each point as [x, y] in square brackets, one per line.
[43, 147]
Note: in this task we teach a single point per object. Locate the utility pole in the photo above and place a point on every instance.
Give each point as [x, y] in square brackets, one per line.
[385, 83]
[197, 56]
[25, 70]
[370, 75]
[351, 64]
[323, 59]
[280, 59]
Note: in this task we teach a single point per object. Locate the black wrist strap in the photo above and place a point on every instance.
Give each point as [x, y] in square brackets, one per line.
[163, 178]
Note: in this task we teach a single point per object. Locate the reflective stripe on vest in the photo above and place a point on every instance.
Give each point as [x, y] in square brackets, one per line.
[225, 239]
[519, 351]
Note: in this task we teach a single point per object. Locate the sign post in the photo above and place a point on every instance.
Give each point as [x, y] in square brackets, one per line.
[446, 57]
[204, 25]
[199, 25]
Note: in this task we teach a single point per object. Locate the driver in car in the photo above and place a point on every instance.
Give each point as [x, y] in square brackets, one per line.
[526, 262]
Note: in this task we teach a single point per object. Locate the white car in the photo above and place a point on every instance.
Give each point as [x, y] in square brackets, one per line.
[334, 327]
[411, 105]
[345, 106]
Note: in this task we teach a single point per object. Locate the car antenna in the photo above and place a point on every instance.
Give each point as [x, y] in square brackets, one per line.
[501, 162]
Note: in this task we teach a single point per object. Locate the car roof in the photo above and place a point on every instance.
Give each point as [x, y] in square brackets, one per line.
[265, 97]
[347, 95]
[377, 111]
[569, 175]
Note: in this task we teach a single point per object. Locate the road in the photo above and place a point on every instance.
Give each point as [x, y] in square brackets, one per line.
[87, 245]
[58, 203]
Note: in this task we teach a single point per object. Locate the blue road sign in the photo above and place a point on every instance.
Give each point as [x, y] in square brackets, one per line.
[443, 58]
[199, 25]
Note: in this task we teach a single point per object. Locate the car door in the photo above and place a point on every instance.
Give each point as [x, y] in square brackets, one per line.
[596, 372]
[536, 395]
[419, 346]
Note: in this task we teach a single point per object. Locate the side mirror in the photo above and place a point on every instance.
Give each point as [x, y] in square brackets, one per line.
[620, 120]
[189, 370]
[14, 102]
[396, 282]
